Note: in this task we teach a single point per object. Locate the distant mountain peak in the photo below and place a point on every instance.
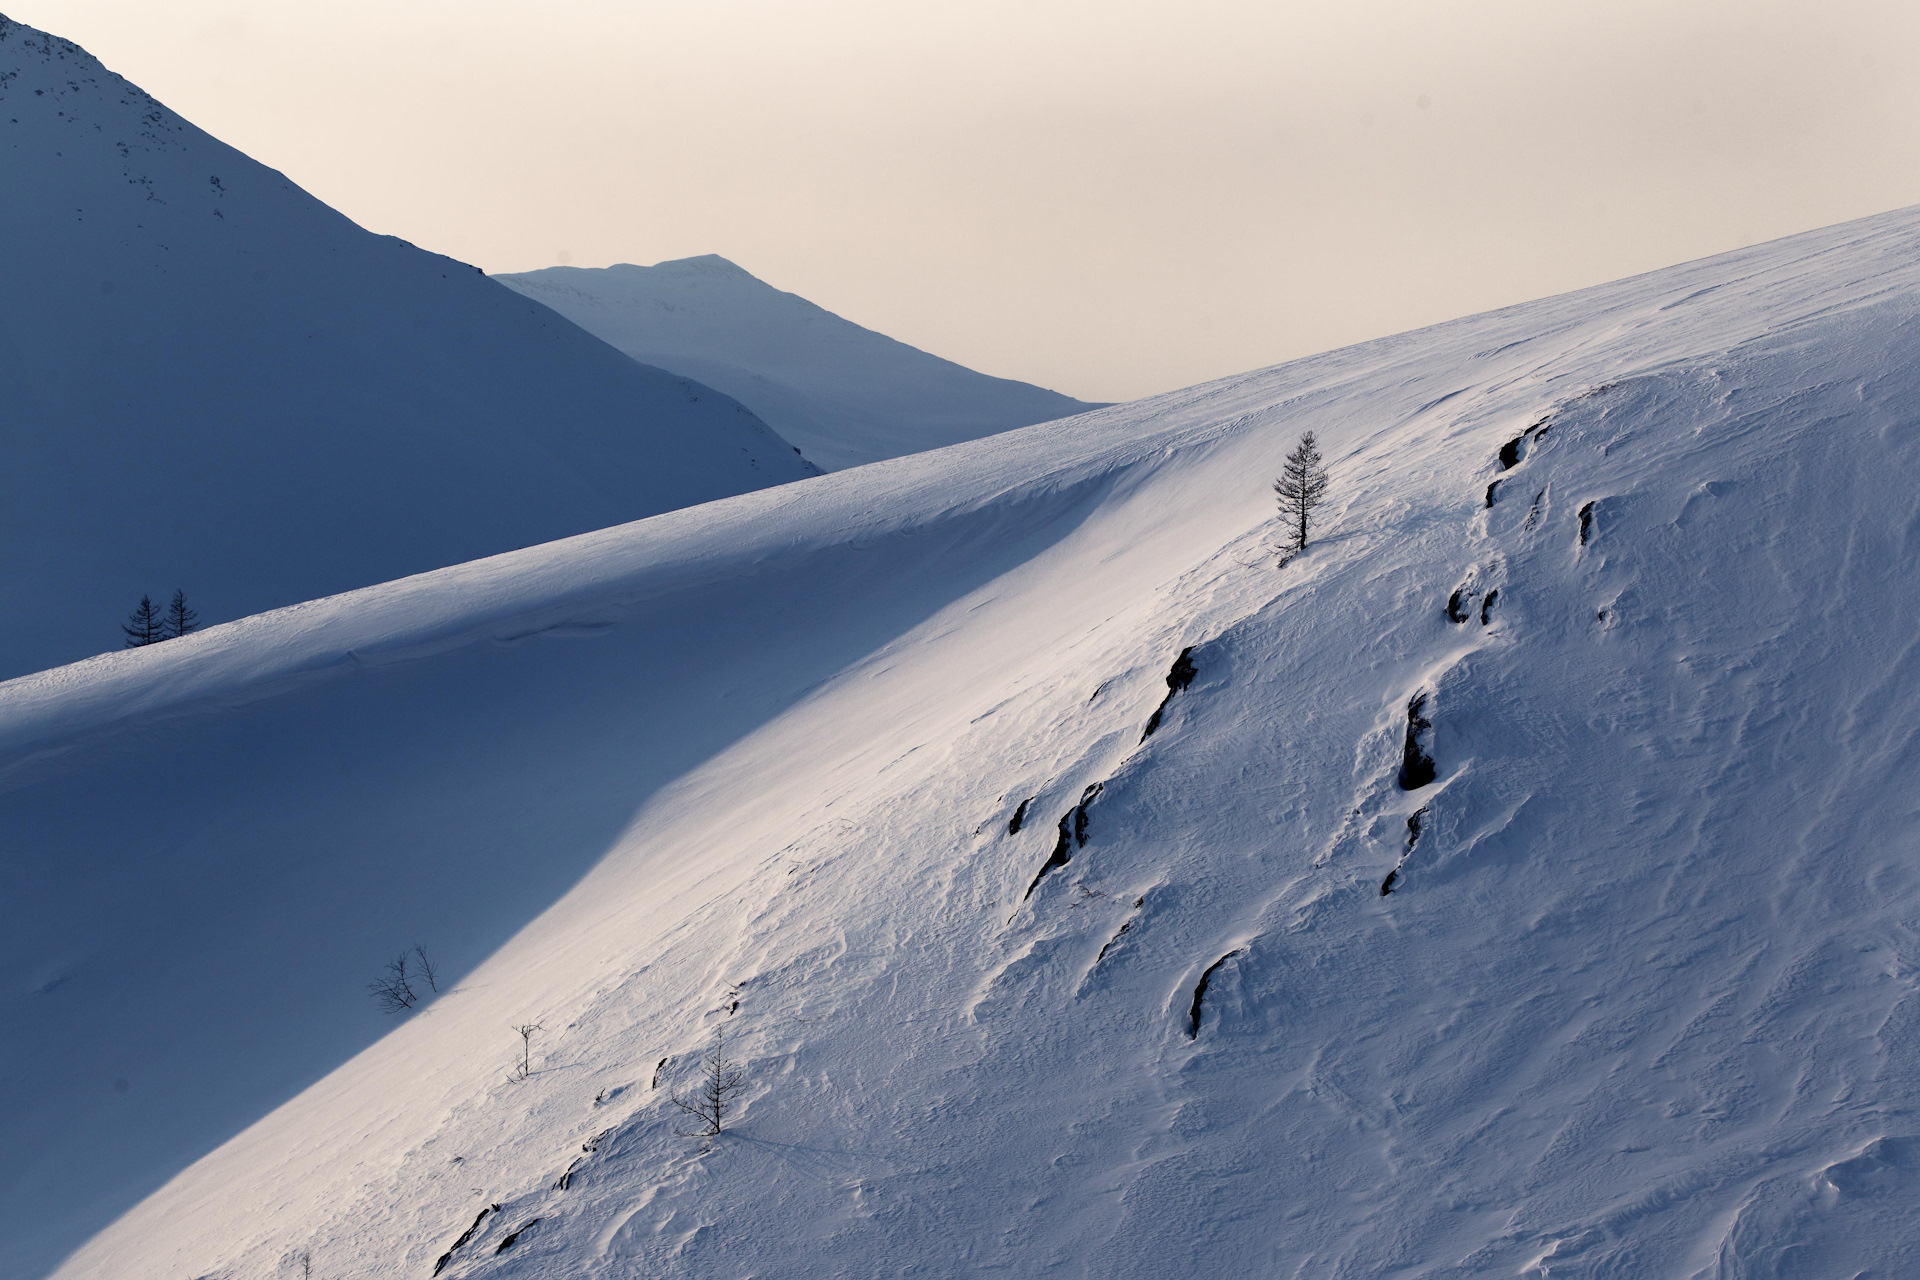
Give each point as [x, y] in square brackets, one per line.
[706, 264]
[845, 394]
[191, 308]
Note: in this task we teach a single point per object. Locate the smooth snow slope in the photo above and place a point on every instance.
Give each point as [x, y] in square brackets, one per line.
[844, 394]
[1642, 1001]
[210, 380]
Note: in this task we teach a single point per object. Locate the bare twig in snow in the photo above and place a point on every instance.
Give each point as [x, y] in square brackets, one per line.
[526, 1030]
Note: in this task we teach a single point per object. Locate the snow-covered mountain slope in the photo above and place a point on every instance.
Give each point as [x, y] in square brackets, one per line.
[845, 395]
[1628, 987]
[210, 380]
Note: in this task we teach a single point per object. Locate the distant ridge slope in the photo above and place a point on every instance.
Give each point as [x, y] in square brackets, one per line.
[1623, 979]
[844, 394]
[209, 379]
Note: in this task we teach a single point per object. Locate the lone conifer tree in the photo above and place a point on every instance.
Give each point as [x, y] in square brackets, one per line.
[709, 1104]
[145, 626]
[180, 619]
[1301, 486]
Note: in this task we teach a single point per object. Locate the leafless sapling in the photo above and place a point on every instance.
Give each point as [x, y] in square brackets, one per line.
[427, 970]
[708, 1105]
[526, 1030]
[180, 619]
[145, 626]
[1301, 487]
[394, 991]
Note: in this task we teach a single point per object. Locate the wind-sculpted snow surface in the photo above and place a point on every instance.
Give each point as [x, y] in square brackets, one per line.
[1640, 1000]
[845, 395]
[210, 380]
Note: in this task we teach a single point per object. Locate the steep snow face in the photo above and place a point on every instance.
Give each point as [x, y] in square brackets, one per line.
[1625, 986]
[845, 395]
[213, 381]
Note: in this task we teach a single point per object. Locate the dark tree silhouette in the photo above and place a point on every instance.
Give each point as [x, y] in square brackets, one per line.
[394, 993]
[145, 626]
[709, 1104]
[1300, 488]
[180, 619]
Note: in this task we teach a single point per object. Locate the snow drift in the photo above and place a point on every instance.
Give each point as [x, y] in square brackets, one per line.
[1626, 986]
[213, 381]
[844, 394]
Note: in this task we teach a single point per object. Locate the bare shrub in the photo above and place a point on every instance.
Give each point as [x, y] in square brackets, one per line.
[427, 970]
[393, 991]
[526, 1030]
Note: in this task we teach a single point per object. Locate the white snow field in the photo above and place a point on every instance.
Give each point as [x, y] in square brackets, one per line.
[1641, 1002]
[844, 394]
[210, 380]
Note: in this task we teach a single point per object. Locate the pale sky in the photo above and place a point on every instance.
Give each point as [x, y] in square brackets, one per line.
[1107, 197]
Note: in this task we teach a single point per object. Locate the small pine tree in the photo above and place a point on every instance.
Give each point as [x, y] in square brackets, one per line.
[709, 1104]
[180, 619]
[145, 626]
[1301, 487]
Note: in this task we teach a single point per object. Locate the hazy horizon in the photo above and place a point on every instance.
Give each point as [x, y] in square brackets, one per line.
[1108, 200]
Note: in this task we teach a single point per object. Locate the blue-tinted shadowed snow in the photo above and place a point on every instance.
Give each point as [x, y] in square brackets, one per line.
[212, 381]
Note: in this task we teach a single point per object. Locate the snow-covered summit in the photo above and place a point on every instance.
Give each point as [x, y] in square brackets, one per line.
[844, 394]
[210, 380]
[702, 264]
[859, 770]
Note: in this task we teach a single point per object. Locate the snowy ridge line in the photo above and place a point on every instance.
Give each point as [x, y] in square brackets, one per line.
[518, 594]
[538, 587]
